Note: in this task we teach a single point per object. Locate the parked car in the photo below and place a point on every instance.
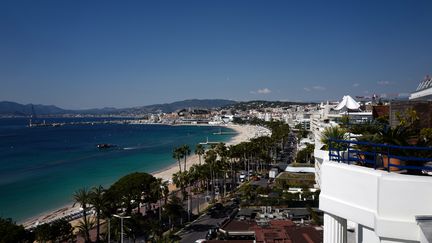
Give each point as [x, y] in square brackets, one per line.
[211, 234]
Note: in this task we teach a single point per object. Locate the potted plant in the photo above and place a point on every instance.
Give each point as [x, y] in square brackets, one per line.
[392, 136]
[367, 153]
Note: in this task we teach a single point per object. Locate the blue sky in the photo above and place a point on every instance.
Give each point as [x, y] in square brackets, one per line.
[85, 54]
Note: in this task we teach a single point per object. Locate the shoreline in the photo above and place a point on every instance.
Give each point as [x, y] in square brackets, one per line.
[243, 133]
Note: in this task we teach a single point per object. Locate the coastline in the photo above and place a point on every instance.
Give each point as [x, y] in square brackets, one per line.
[243, 133]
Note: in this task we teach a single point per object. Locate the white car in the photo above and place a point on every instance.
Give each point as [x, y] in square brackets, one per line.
[200, 241]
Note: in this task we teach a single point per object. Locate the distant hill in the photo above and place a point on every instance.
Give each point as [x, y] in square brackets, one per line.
[259, 104]
[8, 108]
[194, 103]
[15, 109]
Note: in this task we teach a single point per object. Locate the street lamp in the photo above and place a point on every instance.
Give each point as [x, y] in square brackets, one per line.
[160, 198]
[121, 217]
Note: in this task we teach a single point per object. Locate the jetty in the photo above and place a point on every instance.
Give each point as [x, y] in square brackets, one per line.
[208, 142]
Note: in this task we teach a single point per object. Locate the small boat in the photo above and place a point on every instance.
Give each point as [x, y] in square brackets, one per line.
[105, 146]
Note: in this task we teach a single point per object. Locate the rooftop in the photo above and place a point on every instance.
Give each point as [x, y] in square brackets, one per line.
[424, 90]
[281, 231]
[425, 83]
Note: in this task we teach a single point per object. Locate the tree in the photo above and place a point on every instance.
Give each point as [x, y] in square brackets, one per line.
[160, 190]
[194, 175]
[304, 155]
[199, 150]
[64, 230]
[97, 201]
[178, 155]
[12, 233]
[132, 189]
[210, 158]
[82, 197]
[222, 152]
[174, 208]
[111, 205]
[180, 180]
[58, 231]
[186, 152]
[43, 233]
[333, 133]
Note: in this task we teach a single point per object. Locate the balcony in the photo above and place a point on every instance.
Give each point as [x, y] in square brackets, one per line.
[382, 199]
[402, 159]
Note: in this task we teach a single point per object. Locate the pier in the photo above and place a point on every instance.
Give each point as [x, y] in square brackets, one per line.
[208, 142]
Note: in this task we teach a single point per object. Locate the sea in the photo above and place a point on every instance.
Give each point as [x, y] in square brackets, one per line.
[41, 167]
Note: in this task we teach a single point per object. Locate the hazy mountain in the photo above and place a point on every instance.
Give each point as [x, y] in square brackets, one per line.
[15, 109]
[259, 104]
[8, 108]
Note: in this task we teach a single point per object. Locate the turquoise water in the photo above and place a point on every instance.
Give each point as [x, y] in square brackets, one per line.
[41, 167]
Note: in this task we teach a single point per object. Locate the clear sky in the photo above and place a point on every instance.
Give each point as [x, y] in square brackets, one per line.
[86, 54]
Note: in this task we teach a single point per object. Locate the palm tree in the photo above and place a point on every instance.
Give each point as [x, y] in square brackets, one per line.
[82, 197]
[97, 200]
[333, 133]
[159, 189]
[196, 175]
[186, 152]
[178, 155]
[199, 150]
[174, 209]
[179, 180]
[210, 158]
[222, 152]
[233, 154]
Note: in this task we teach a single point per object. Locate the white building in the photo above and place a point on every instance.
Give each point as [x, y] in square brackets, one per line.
[267, 117]
[423, 91]
[383, 205]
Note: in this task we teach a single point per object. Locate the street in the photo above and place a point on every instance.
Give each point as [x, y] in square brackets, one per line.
[199, 228]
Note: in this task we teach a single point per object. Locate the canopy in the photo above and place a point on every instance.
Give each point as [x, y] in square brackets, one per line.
[349, 103]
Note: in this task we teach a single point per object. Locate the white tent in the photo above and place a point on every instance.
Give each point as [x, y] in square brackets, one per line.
[348, 103]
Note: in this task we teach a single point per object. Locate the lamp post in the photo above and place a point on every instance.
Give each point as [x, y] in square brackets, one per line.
[160, 204]
[121, 217]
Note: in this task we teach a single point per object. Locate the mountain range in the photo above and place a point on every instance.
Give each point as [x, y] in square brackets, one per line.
[8, 108]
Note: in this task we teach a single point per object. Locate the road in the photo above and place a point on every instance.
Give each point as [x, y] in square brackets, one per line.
[199, 228]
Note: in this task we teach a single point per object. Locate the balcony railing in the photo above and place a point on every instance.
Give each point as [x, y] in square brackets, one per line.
[381, 156]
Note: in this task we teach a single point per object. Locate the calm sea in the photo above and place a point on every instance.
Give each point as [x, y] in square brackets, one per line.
[41, 167]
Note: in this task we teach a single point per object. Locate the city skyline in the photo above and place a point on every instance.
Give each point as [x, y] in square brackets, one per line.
[79, 55]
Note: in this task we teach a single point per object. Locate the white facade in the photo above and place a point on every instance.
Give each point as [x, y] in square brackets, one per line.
[423, 91]
[267, 117]
[383, 205]
[425, 94]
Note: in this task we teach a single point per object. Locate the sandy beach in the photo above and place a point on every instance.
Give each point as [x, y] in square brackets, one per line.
[244, 133]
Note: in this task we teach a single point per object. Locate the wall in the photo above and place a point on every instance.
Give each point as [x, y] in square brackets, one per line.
[423, 109]
[378, 200]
